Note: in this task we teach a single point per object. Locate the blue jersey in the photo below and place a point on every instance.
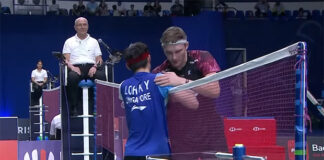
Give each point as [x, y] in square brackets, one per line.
[145, 107]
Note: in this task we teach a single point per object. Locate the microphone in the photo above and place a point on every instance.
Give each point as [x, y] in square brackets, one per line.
[52, 78]
[104, 44]
[114, 56]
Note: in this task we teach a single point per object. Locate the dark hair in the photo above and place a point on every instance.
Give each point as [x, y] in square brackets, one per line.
[39, 61]
[133, 51]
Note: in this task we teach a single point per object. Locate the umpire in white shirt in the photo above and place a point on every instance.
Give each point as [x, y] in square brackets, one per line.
[39, 79]
[83, 58]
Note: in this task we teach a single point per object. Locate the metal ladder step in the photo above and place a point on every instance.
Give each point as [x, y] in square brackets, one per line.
[34, 107]
[83, 116]
[77, 134]
[38, 112]
[40, 123]
[39, 132]
[82, 135]
[84, 154]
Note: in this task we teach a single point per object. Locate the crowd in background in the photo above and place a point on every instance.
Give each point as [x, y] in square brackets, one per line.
[95, 8]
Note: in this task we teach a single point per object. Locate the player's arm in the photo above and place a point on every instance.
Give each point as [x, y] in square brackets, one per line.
[186, 97]
[211, 89]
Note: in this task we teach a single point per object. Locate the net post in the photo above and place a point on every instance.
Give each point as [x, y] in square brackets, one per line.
[301, 103]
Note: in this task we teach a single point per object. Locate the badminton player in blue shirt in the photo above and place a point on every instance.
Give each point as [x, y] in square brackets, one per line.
[145, 106]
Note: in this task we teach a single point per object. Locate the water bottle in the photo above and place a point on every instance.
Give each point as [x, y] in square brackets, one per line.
[238, 152]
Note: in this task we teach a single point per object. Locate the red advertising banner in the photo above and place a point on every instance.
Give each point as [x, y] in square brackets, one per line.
[8, 150]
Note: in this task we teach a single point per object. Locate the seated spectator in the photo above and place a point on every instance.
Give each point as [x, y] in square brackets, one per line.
[121, 8]
[220, 5]
[302, 14]
[177, 9]
[81, 8]
[278, 9]
[74, 11]
[115, 11]
[103, 9]
[92, 7]
[148, 9]
[131, 12]
[4, 10]
[54, 8]
[262, 8]
[36, 2]
[192, 7]
[157, 8]
[21, 2]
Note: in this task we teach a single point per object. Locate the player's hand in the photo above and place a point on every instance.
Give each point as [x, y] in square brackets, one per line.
[169, 79]
[92, 71]
[76, 69]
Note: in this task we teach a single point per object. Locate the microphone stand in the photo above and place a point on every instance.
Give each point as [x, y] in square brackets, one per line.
[64, 106]
[113, 58]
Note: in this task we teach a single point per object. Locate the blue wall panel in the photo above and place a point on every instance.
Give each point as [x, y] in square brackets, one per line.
[25, 39]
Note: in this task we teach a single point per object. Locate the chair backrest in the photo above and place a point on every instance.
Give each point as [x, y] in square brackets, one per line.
[5, 10]
[139, 13]
[230, 14]
[166, 13]
[63, 12]
[287, 13]
[249, 13]
[240, 14]
[316, 13]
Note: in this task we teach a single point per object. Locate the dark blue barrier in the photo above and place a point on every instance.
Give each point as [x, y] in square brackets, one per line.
[25, 39]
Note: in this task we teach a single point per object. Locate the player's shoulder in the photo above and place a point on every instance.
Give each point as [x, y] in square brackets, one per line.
[161, 67]
[198, 53]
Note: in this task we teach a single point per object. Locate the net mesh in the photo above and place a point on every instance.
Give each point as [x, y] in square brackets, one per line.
[256, 108]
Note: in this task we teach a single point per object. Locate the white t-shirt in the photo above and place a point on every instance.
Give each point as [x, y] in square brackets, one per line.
[55, 124]
[82, 51]
[39, 75]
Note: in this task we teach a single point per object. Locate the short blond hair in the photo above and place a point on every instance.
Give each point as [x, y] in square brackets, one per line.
[172, 35]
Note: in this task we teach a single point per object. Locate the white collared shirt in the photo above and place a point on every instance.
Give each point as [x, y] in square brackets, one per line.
[82, 51]
[39, 75]
[55, 124]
